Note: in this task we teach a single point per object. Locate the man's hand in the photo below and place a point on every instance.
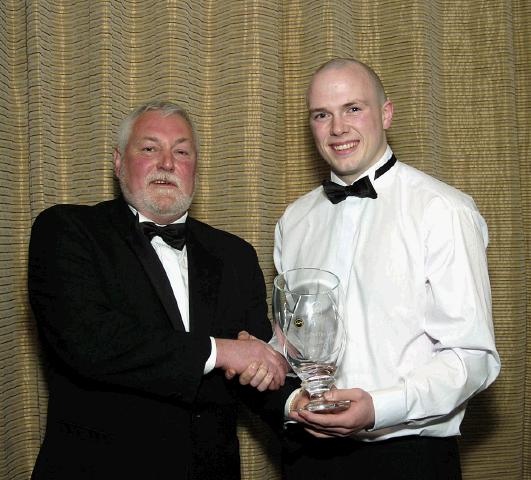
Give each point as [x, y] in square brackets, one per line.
[251, 369]
[257, 363]
[359, 416]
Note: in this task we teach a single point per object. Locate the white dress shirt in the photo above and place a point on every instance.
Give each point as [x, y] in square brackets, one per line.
[413, 269]
[175, 264]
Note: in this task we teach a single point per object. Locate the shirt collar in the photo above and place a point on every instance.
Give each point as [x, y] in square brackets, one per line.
[370, 171]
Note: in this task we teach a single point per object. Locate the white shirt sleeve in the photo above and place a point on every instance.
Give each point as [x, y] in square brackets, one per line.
[458, 318]
[211, 361]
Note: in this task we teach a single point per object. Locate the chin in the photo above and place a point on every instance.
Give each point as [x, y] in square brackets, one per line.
[167, 208]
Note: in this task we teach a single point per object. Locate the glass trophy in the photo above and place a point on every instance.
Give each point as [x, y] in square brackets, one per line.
[309, 329]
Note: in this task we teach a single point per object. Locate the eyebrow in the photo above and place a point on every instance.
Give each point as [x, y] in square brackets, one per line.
[182, 140]
[345, 105]
[156, 140]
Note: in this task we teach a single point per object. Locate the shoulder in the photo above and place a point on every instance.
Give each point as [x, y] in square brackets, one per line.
[428, 190]
[57, 215]
[308, 203]
[77, 223]
[440, 208]
[73, 210]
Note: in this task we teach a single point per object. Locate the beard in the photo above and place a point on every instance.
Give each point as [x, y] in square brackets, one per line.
[173, 204]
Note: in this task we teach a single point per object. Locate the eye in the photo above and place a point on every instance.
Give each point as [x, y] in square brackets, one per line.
[319, 115]
[148, 148]
[180, 151]
[354, 109]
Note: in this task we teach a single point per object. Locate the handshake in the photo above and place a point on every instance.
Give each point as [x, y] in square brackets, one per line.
[257, 363]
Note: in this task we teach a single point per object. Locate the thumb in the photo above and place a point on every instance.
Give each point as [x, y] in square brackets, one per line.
[337, 394]
[244, 335]
[352, 394]
[331, 394]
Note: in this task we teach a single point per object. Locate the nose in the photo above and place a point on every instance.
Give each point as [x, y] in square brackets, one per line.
[338, 126]
[166, 160]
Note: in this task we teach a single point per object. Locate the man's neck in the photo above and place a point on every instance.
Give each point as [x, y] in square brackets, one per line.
[159, 220]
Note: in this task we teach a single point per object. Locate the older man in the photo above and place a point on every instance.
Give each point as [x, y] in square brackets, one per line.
[410, 253]
[139, 307]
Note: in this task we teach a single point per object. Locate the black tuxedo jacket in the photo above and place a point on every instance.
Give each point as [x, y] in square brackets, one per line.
[127, 394]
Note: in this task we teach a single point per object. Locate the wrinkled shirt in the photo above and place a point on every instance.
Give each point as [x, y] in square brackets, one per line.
[417, 301]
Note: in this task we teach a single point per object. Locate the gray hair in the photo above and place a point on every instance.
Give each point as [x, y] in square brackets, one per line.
[339, 63]
[165, 108]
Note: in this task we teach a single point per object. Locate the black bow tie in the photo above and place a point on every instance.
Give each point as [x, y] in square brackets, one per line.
[360, 188]
[174, 234]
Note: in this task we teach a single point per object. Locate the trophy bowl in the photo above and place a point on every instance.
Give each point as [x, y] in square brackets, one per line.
[309, 329]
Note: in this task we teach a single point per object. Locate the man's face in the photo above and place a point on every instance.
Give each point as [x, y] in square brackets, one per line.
[348, 120]
[157, 169]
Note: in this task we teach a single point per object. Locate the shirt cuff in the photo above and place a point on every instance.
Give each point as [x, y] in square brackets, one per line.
[211, 361]
[389, 407]
[287, 405]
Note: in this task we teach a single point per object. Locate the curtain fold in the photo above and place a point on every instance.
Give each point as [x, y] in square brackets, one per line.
[458, 74]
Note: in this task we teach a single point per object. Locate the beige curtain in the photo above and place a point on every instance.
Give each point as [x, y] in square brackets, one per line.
[458, 72]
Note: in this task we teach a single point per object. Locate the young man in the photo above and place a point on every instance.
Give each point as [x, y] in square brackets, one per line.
[410, 254]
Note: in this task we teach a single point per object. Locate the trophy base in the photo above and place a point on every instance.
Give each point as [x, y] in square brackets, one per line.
[327, 406]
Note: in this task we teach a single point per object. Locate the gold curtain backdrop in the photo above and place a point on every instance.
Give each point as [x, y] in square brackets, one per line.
[458, 72]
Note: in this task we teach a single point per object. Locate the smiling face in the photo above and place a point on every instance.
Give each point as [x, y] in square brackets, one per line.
[157, 169]
[348, 119]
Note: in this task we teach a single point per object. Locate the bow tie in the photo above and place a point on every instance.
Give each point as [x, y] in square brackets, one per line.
[173, 234]
[360, 188]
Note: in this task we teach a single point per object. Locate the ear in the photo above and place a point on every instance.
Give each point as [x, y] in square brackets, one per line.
[387, 114]
[117, 162]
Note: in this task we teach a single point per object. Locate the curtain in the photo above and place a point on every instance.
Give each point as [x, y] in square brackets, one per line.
[457, 71]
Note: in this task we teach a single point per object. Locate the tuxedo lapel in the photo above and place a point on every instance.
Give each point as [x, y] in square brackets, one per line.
[125, 221]
[204, 280]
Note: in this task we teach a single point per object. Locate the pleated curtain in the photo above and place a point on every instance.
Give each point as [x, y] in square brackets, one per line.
[458, 72]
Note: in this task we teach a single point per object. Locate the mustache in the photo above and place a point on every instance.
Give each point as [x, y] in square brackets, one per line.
[163, 177]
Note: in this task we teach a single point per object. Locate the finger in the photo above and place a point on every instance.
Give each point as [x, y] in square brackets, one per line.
[260, 374]
[275, 363]
[319, 422]
[333, 431]
[317, 431]
[273, 386]
[283, 363]
[279, 376]
[268, 383]
[324, 420]
[336, 432]
[249, 373]
[318, 434]
[281, 366]
[230, 374]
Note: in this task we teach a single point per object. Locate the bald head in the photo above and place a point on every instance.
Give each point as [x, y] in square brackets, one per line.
[349, 114]
[354, 65]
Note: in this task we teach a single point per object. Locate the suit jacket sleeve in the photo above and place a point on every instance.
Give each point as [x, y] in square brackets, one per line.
[241, 305]
[248, 292]
[98, 316]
